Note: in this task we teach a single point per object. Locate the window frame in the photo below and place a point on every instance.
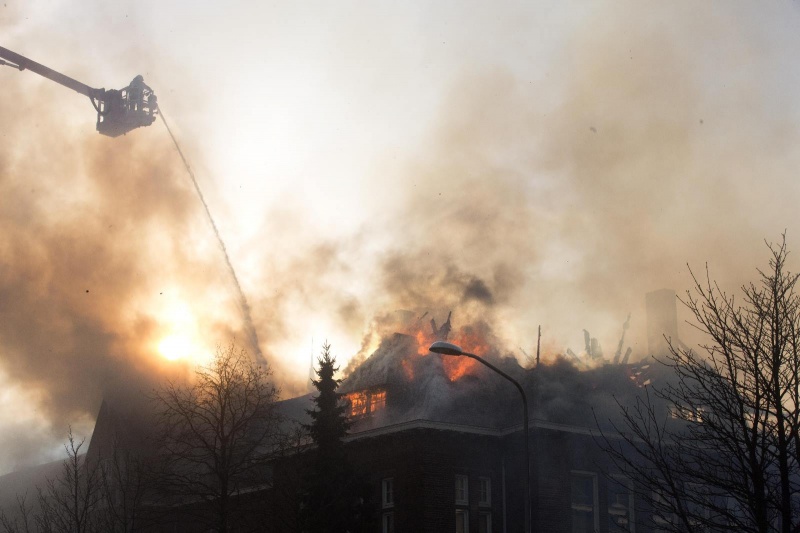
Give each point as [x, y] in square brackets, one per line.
[465, 513]
[488, 516]
[697, 508]
[387, 493]
[623, 481]
[465, 499]
[660, 498]
[376, 401]
[484, 496]
[387, 522]
[595, 507]
[359, 403]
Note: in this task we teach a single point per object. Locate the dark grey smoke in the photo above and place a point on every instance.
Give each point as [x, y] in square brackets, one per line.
[477, 290]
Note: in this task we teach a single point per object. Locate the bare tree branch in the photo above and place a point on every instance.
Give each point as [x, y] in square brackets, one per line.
[219, 432]
[716, 448]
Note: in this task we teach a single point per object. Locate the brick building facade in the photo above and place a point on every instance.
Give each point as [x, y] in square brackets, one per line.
[457, 464]
[457, 478]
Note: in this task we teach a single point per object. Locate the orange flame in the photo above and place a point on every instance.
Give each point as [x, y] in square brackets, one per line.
[366, 402]
[470, 339]
[457, 367]
[423, 343]
[358, 403]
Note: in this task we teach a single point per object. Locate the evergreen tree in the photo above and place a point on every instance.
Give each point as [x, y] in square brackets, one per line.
[332, 502]
[329, 419]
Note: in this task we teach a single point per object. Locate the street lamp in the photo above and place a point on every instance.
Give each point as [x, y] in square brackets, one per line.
[447, 348]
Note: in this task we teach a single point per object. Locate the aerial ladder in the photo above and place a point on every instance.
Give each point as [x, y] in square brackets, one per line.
[118, 111]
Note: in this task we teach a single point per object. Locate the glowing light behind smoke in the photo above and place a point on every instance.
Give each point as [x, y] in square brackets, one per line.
[175, 347]
[179, 336]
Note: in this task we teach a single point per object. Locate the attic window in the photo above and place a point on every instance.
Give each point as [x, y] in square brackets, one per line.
[358, 403]
[363, 403]
[377, 401]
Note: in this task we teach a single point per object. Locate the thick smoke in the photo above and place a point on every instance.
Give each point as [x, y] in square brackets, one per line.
[563, 201]
[557, 193]
[655, 137]
[101, 240]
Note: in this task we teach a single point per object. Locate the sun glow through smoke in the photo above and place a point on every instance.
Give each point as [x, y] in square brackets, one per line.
[175, 347]
[179, 338]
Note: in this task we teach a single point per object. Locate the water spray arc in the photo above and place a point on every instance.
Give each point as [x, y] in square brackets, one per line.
[245, 307]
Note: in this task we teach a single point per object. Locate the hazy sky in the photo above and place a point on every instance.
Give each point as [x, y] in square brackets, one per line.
[524, 163]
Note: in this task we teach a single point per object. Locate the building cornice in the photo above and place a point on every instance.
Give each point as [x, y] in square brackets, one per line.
[461, 428]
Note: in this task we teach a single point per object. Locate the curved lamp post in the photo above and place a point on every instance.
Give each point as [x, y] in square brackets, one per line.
[447, 348]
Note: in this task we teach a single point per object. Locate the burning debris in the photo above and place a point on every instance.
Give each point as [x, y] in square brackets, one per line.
[402, 380]
[593, 349]
[594, 352]
[617, 354]
[441, 333]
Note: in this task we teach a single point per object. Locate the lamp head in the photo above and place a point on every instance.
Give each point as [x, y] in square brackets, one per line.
[446, 348]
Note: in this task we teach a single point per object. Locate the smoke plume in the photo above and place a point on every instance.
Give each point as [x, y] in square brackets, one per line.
[561, 199]
[554, 185]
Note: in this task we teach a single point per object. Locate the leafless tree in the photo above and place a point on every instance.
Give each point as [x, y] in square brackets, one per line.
[68, 503]
[105, 496]
[21, 520]
[716, 448]
[218, 432]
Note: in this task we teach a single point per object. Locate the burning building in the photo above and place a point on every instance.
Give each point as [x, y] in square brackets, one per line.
[438, 441]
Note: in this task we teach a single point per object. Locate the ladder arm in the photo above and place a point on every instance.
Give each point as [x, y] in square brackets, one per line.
[23, 63]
